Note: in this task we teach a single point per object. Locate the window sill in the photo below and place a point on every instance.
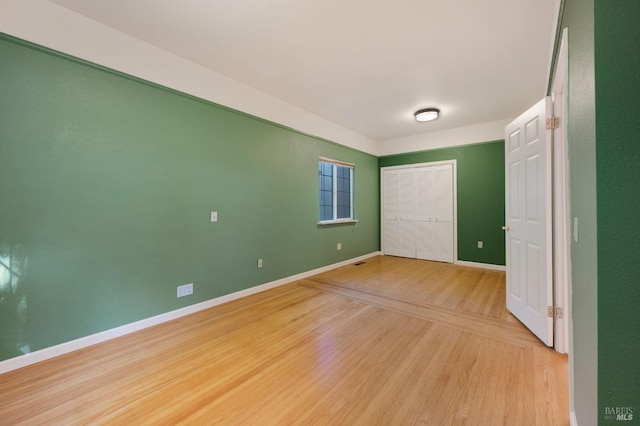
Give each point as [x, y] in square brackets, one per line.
[337, 222]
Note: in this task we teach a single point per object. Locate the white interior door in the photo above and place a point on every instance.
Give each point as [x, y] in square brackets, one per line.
[529, 221]
[434, 216]
[407, 213]
[425, 244]
[391, 213]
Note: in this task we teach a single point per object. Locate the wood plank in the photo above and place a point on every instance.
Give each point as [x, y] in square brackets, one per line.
[346, 347]
[488, 327]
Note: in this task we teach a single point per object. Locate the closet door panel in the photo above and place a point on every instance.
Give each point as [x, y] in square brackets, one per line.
[424, 212]
[425, 244]
[391, 213]
[424, 198]
[435, 238]
[441, 234]
[408, 213]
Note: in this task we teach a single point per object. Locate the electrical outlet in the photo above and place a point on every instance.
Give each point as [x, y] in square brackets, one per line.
[185, 290]
[480, 244]
[259, 263]
[339, 246]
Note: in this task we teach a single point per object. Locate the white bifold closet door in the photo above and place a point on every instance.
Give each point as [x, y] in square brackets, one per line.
[391, 213]
[434, 218]
[400, 213]
[418, 212]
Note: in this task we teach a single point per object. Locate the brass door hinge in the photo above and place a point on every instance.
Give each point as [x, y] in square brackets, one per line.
[553, 123]
[554, 312]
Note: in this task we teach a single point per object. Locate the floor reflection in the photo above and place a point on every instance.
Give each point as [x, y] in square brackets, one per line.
[13, 301]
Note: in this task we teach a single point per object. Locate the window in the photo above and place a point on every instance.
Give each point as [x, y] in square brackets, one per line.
[335, 179]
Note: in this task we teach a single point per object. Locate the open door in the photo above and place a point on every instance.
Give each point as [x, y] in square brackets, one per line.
[529, 221]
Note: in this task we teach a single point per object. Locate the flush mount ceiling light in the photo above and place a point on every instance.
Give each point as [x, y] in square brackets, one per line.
[427, 114]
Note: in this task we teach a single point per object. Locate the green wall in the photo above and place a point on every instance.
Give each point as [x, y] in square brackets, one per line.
[617, 61]
[481, 205]
[106, 186]
[578, 18]
[604, 142]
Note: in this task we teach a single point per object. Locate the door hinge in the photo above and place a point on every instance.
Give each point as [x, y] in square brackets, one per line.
[553, 123]
[554, 312]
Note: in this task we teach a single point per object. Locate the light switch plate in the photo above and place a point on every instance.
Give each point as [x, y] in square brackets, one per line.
[214, 216]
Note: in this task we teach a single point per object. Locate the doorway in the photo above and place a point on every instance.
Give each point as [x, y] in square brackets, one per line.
[538, 227]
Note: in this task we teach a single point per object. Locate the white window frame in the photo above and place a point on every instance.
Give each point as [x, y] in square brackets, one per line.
[351, 168]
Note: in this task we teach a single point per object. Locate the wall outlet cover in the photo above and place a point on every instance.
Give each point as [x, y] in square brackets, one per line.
[185, 290]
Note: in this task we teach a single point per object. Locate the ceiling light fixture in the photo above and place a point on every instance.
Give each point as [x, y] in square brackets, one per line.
[427, 114]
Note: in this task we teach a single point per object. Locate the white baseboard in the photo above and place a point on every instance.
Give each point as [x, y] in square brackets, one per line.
[573, 421]
[481, 265]
[83, 342]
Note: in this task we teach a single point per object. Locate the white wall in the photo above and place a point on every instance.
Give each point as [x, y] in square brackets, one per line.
[55, 27]
[52, 26]
[445, 138]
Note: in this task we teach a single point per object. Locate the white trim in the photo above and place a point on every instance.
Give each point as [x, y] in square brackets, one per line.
[561, 214]
[83, 342]
[337, 222]
[481, 265]
[337, 162]
[573, 420]
[554, 32]
[418, 165]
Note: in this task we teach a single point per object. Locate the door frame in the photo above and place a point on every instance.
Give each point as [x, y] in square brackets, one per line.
[453, 163]
[561, 206]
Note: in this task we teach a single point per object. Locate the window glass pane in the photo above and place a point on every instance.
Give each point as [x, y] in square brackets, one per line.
[344, 192]
[327, 213]
[330, 177]
[325, 176]
[326, 205]
[327, 183]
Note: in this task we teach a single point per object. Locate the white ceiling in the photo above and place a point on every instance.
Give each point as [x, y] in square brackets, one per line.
[366, 65]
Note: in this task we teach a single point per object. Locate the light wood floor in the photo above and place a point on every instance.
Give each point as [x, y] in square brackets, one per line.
[391, 341]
